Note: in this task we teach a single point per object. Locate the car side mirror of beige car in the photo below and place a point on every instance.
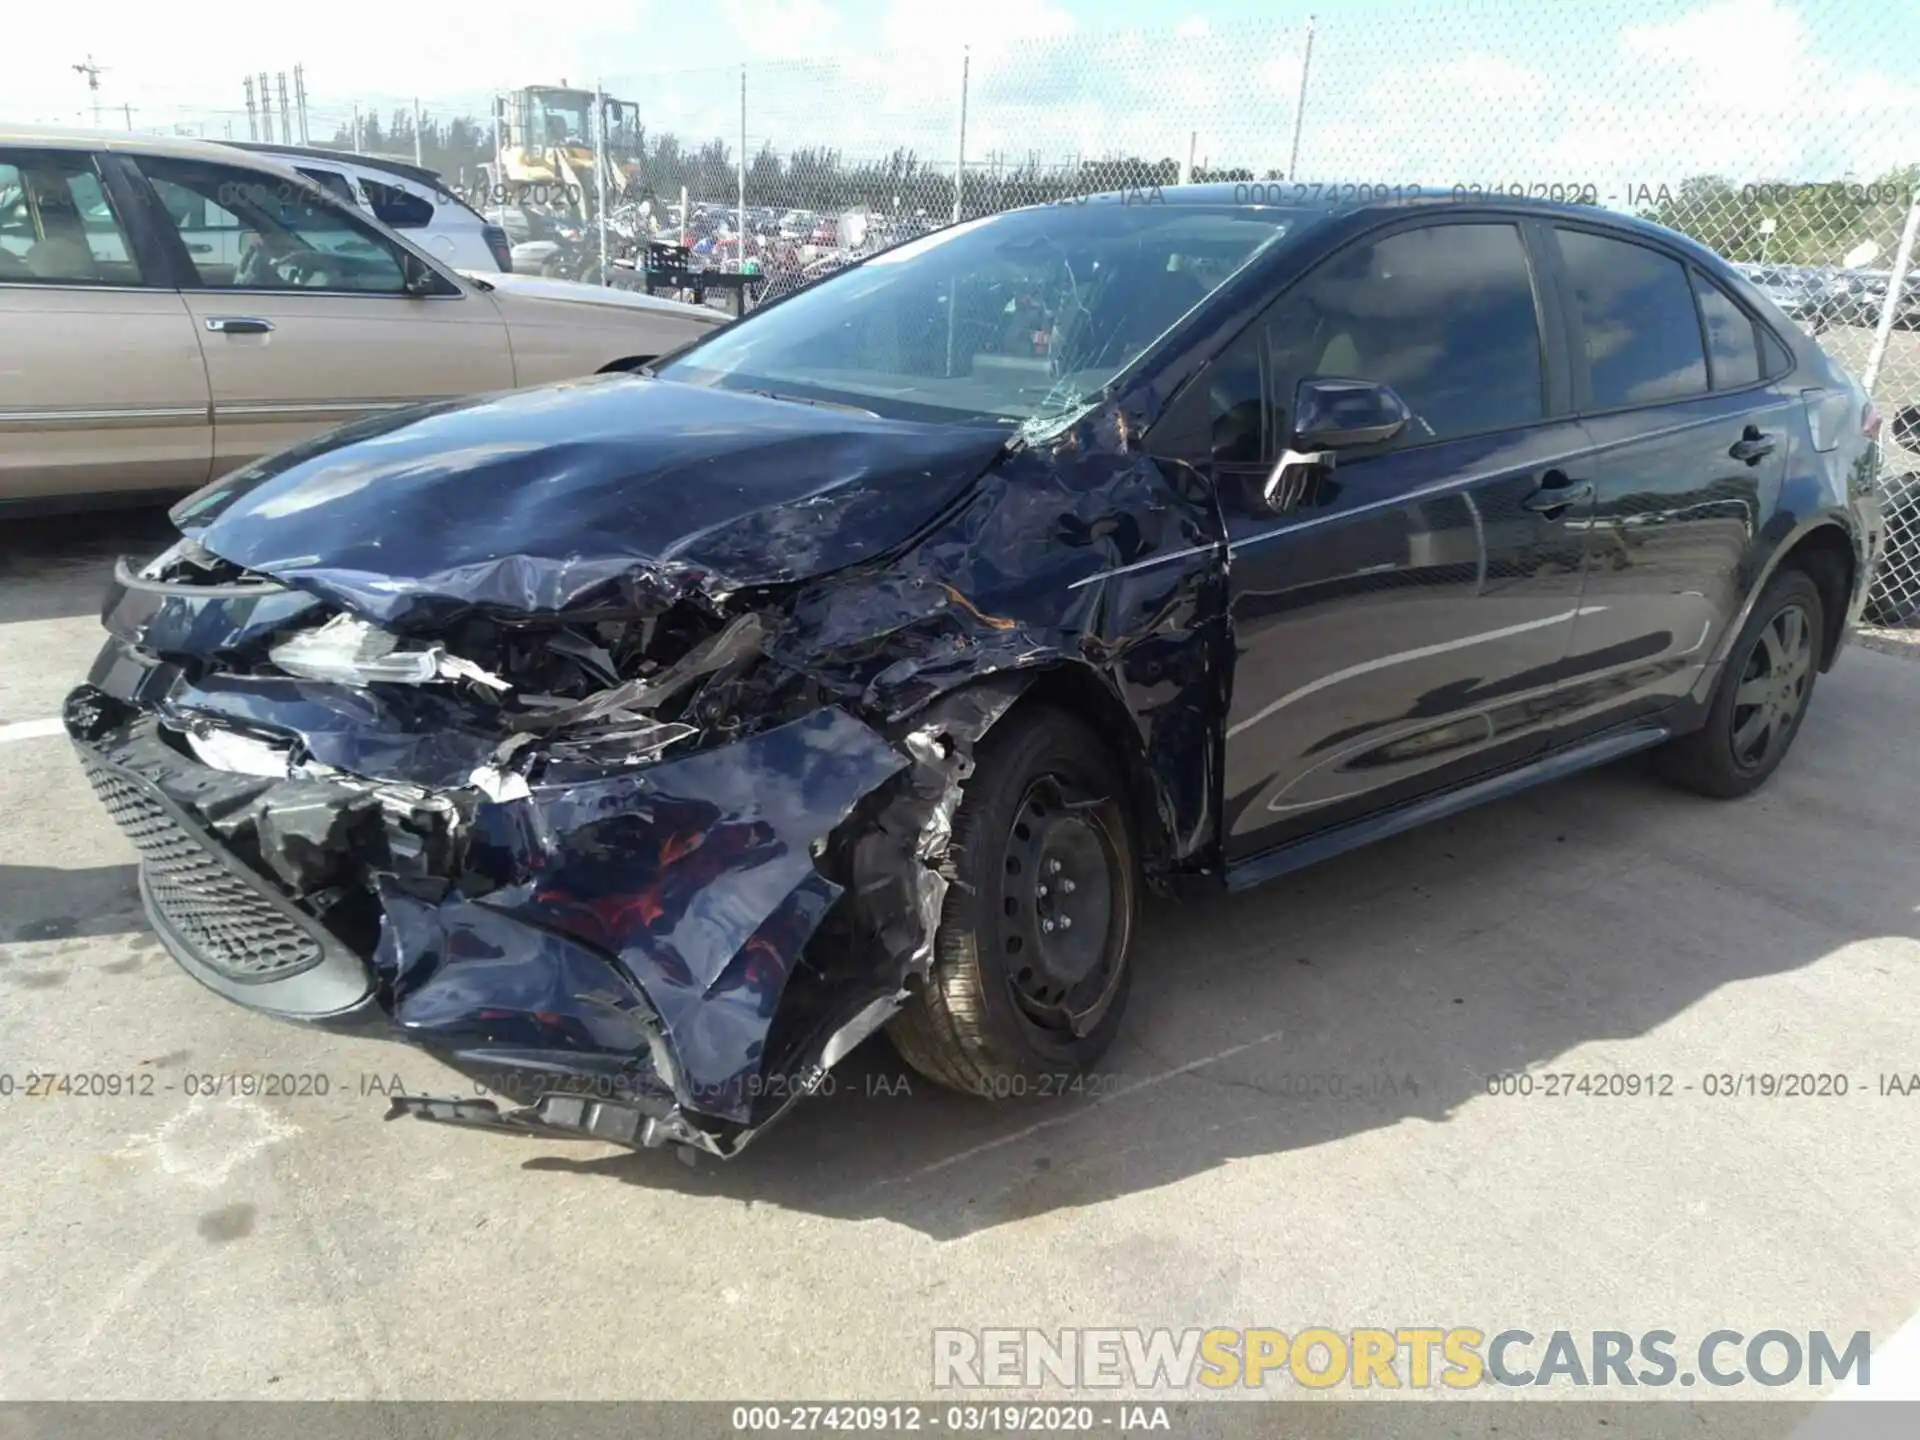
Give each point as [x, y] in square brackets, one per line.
[420, 279]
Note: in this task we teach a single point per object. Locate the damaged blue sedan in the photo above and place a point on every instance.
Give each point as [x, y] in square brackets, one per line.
[639, 745]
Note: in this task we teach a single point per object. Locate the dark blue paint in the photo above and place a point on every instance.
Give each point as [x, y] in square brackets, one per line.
[542, 500]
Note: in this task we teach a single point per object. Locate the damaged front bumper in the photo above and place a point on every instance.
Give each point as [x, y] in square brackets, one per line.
[664, 953]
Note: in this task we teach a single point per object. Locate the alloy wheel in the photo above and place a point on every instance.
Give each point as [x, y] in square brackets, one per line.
[1773, 688]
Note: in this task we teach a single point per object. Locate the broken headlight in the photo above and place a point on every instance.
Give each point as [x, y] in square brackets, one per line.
[348, 651]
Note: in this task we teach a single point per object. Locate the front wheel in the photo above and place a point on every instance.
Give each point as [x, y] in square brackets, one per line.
[1030, 971]
[1761, 697]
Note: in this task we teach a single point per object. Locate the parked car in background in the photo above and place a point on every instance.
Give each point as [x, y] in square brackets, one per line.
[175, 309]
[410, 199]
[640, 745]
[1792, 289]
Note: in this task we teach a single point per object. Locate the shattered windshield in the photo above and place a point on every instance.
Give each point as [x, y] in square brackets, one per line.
[1011, 318]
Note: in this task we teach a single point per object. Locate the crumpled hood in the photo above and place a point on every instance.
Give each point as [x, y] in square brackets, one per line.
[536, 501]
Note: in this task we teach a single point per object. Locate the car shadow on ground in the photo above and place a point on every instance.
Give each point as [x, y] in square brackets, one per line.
[1384, 987]
[39, 902]
[59, 565]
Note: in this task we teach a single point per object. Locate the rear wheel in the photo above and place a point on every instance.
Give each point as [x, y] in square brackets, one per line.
[1761, 698]
[1030, 969]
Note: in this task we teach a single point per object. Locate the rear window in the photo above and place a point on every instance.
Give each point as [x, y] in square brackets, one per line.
[391, 205]
[331, 181]
[1639, 329]
[1733, 352]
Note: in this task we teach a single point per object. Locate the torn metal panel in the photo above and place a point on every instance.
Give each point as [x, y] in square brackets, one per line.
[211, 620]
[697, 874]
[1109, 563]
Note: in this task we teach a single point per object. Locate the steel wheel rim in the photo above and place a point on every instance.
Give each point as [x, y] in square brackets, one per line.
[1772, 689]
[1063, 908]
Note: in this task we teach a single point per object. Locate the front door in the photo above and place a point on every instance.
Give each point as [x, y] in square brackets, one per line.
[302, 312]
[1400, 629]
[101, 384]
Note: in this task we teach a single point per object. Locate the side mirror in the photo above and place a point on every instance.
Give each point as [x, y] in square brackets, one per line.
[418, 278]
[1330, 416]
[1345, 414]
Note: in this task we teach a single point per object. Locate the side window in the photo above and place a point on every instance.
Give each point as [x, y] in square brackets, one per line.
[1445, 314]
[1635, 310]
[245, 230]
[57, 224]
[391, 205]
[1733, 352]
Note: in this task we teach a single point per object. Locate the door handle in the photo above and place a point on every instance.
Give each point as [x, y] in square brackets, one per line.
[1752, 445]
[238, 325]
[1556, 493]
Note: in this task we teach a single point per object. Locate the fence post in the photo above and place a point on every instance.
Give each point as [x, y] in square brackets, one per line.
[740, 260]
[960, 153]
[1300, 104]
[1902, 269]
[602, 172]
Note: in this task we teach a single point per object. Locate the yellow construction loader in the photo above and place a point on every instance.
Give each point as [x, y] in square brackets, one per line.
[544, 146]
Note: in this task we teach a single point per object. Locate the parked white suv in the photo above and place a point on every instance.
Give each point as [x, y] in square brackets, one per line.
[408, 198]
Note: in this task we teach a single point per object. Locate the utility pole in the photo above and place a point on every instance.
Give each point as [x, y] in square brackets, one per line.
[286, 124]
[92, 72]
[1300, 103]
[128, 110]
[740, 259]
[266, 110]
[253, 124]
[960, 149]
[356, 127]
[416, 132]
[300, 100]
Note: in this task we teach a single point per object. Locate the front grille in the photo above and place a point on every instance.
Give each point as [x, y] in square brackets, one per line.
[222, 917]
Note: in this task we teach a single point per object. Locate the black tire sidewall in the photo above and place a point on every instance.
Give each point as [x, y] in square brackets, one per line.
[1034, 744]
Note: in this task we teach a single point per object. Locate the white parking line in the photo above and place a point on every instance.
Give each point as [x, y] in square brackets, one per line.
[29, 730]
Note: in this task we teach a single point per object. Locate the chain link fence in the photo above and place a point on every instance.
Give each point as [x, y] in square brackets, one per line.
[1784, 134]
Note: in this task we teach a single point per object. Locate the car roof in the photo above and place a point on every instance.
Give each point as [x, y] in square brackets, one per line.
[418, 173]
[179, 147]
[1358, 200]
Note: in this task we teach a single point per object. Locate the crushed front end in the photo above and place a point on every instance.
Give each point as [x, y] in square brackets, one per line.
[589, 859]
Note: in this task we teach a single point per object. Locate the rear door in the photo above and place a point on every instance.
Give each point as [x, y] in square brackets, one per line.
[102, 388]
[1690, 446]
[303, 315]
[1400, 629]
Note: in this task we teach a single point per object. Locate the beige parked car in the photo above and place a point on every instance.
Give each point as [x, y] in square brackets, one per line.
[173, 309]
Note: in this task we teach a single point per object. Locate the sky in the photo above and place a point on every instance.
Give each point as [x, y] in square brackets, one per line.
[1611, 94]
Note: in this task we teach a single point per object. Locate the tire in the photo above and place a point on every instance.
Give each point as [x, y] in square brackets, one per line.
[1002, 1013]
[1761, 698]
